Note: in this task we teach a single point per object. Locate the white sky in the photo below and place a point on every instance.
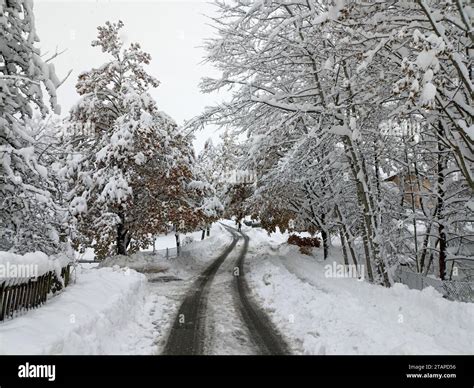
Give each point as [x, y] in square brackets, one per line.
[171, 31]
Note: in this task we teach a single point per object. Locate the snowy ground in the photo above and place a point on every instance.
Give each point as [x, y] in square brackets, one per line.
[321, 315]
[112, 310]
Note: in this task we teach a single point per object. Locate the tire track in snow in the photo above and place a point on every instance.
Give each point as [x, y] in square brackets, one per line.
[187, 333]
[264, 333]
[225, 331]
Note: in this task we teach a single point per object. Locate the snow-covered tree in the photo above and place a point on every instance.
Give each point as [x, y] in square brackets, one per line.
[130, 167]
[221, 167]
[315, 82]
[30, 213]
[208, 185]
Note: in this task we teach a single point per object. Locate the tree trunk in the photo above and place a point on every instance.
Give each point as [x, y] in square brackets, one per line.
[203, 234]
[178, 243]
[442, 252]
[325, 237]
[366, 206]
[208, 231]
[440, 206]
[358, 168]
[122, 237]
[362, 202]
[347, 235]
[424, 249]
[344, 249]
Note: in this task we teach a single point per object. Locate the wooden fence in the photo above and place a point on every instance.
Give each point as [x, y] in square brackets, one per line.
[21, 294]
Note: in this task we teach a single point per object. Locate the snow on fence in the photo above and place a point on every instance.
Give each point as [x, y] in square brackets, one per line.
[168, 253]
[21, 294]
[450, 289]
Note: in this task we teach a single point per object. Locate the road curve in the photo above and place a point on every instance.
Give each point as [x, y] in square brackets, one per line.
[186, 335]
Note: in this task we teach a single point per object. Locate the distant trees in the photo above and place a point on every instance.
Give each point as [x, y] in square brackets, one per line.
[31, 214]
[208, 184]
[130, 168]
[231, 183]
[335, 98]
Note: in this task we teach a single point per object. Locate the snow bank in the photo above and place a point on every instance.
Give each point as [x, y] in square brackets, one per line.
[322, 315]
[140, 261]
[94, 316]
[198, 254]
[41, 262]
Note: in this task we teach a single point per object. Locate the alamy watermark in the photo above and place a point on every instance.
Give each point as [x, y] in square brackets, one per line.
[85, 129]
[30, 371]
[239, 176]
[11, 270]
[403, 128]
[336, 270]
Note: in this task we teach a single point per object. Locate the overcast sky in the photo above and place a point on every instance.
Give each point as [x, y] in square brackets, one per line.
[171, 31]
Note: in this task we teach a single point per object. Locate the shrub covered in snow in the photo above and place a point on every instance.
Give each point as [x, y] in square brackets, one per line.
[304, 243]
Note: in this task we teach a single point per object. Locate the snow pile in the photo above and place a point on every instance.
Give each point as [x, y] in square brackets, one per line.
[104, 305]
[198, 254]
[140, 261]
[39, 262]
[193, 259]
[321, 315]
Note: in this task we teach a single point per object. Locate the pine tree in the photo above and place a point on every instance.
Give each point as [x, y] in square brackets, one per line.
[130, 167]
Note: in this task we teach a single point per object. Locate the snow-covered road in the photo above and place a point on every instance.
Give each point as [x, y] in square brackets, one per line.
[115, 310]
[225, 332]
[218, 316]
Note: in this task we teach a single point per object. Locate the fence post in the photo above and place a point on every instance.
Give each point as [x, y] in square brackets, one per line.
[23, 296]
[9, 299]
[16, 299]
[30, 294]
[50, 282]
[6, 306]
[44, 285]
[44, 288]
[35, 292]
[40, 290]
